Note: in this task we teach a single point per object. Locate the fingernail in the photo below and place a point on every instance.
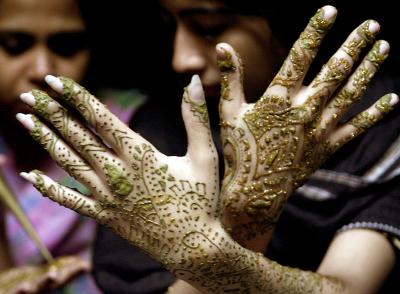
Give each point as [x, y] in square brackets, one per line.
[384, 48]
[54, 82]
[29, 177]
[225, 59]
[26, 121]
[394, 100]
[373, 27]
[196, 92]
[28, 98]
[329, 12]
[221, 51]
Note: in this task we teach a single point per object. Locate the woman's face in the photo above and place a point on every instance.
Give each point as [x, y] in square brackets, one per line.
[39, 37]
[201, 24]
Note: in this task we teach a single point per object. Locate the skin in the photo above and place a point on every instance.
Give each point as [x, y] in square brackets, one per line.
[36, 279]
[199, 30]
[168, 206]
[25, 70]
[193, 52]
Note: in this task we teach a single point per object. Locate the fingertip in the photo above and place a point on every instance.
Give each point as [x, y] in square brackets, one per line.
[29, 177]
[54, 82]
[374, 26]
[225, 58]
[195, 89]
[26, 121]
[394, 99]
[329, 12]
[384, 47]
[27, 98]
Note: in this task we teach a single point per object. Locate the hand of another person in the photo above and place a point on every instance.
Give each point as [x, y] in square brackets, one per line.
[272, 147]
[36, 279]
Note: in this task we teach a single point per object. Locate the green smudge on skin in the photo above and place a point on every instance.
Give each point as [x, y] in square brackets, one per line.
[120, 185]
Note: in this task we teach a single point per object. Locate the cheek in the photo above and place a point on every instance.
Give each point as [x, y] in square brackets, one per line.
[11, 80]
[258, 60]
[75, 67]
[259, 67]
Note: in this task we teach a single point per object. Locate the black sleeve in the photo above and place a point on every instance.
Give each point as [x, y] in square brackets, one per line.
[120, 268]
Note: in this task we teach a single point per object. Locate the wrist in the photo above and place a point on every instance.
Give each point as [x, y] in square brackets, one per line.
[217, 263]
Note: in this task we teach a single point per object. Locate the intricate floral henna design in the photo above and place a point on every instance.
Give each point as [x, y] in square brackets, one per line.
[273, 146]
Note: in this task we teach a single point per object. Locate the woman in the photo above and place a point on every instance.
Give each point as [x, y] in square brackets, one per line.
[38, 38]
[192, 243]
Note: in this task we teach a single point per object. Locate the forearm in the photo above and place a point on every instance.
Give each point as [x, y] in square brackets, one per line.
[229, 267]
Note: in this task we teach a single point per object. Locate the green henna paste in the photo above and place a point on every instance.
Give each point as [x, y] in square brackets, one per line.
[36, 133]
[42, 101]
[364, 32]
[319, 23]
[226, 64]
[120, 185]
[384, 105]
[375, 56]
[39, 182]
[198, 110]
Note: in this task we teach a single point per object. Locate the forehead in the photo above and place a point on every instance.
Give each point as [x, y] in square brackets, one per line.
[40, 14]
[182, 6]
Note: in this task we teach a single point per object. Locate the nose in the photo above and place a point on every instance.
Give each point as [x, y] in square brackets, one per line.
[189, 53]
[42, 64]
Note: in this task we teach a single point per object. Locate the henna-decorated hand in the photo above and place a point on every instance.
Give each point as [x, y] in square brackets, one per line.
[273, 146]
[167, 206]
[36, 279]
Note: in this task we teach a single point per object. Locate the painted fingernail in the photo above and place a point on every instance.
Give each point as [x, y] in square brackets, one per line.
[28, 98]
[196, 92]
[373, 27]
[329, 12]
[394, 99]
[26, 121]
[29, 177]
[383, 47]
[54, 82]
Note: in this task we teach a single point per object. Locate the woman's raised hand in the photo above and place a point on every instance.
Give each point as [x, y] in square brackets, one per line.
[273, 146]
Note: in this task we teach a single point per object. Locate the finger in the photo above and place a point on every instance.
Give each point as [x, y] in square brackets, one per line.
[292, 73]
[73, 132]
[62, 195]
[195, 116]
[65, 268]
[65, 156]
[232, 93]
[109, 127]
[340, 64]
[355, 87]
[363, 121]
